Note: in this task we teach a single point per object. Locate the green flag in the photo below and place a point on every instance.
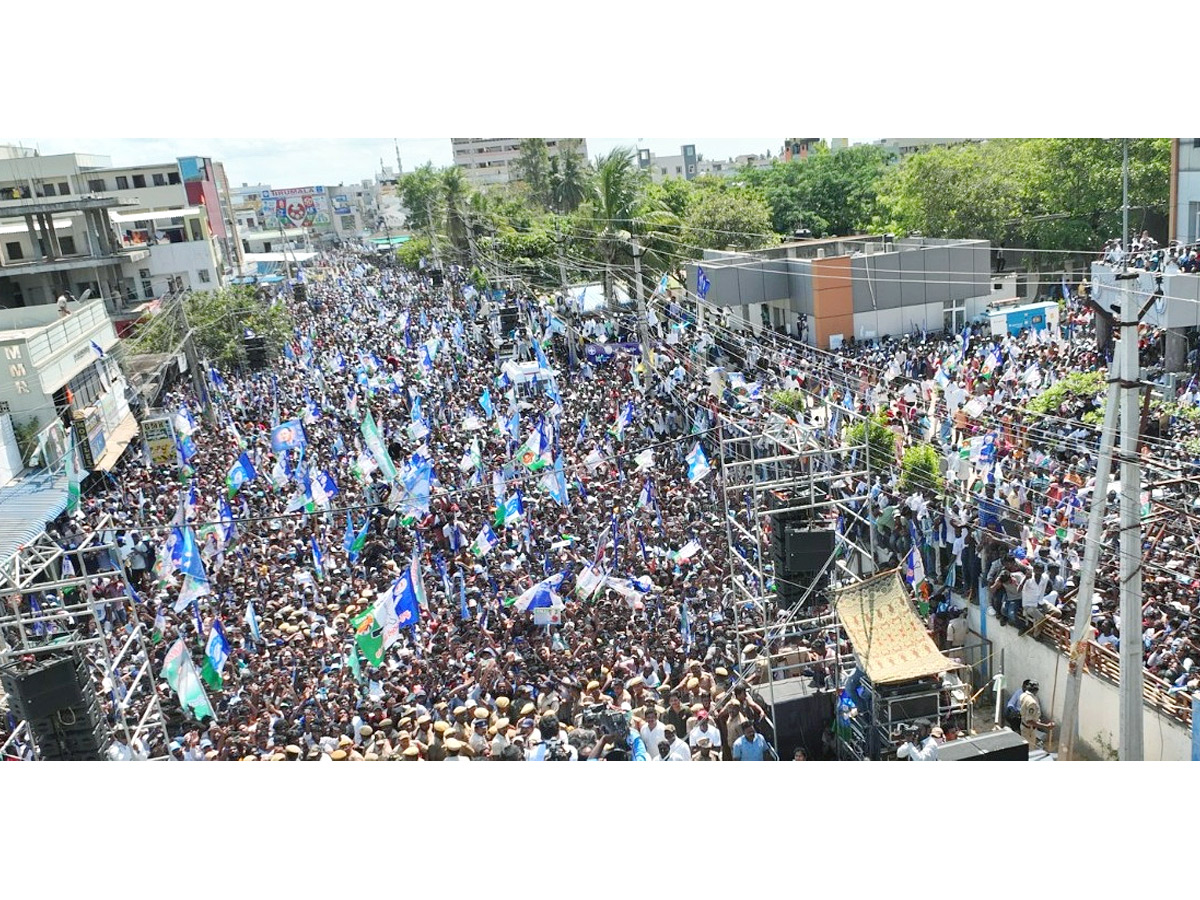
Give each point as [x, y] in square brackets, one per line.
[73, 478]
[375, 444]
[180, 673]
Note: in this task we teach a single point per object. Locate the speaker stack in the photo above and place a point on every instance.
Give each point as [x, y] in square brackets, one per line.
[300, 292]
[256, 353]
[55, 695]
[437, 277]
[798, 550]
[508, 320]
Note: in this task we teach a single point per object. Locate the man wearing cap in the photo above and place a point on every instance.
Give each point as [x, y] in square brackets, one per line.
[1031, 714]
[920, 745]
[677, 750]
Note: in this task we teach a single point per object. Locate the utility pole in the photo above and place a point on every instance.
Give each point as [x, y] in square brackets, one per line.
[643, 323]
[1131, 649]
[193, 360]
[1069, 733]
[568, 313]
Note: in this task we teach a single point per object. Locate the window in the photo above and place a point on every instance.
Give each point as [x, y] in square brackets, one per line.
[97, 185]
[159, 181]
[197, 234]
[679, 170]
[86, 388]
[1196, 143]
[67, 243]
[13, 249]
[139, 181]
[47, 190]
[122, 182]
[63, 189]
[172, 178]
[205, 278]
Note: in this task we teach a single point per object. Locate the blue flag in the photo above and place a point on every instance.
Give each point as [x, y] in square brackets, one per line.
[318, 559]
[702, 283]
[242, 471]
[485, 401]
[288, 436]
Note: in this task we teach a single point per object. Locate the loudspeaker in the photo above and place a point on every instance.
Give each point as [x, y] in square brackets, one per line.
[256, 353]
[300, 292]
[797, 549]
[437, 277]
[508, 319]
[55, 695]
[996, 746]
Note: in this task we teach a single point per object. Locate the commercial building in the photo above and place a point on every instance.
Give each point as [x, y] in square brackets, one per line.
[56, 368]
[861, 287]
[73, 222]
[487, 161]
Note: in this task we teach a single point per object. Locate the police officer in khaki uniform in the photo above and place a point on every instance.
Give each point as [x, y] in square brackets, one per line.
[1031, 714]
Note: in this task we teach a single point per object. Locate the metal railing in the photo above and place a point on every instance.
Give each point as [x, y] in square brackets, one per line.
[1160, 696]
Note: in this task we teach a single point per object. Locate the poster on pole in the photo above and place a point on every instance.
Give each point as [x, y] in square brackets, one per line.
[159, 436]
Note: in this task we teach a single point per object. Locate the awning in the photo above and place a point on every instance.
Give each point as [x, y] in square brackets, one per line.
[116, 443]
[888, 637]
[26, 506]
[155, 214]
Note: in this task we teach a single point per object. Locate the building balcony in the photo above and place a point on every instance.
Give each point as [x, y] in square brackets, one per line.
[71, 263]
[46, 333]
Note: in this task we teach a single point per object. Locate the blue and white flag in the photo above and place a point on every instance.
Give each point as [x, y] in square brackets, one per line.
[318, 559]
[98, 350]
[484, 541]
[252, 622]
[697, 462]
[662, 286]
[485, 401]
[328, 485]
[914, 568]
[702, 283]
[242, 471]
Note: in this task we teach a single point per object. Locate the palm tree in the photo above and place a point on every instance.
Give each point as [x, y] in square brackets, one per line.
[616, 197]
[570, 180]
[454, 195]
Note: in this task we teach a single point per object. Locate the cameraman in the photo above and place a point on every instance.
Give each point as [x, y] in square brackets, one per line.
[619, 743]
[553, 746]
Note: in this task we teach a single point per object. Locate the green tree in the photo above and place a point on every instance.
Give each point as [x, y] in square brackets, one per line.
[570, 179]
[454, 202]
[728, 218]
[411, 252]
[616, 203]
[882, 442]
[532, 170]
[219, 320]
[920, 469]
[420, 192]
[827, 193]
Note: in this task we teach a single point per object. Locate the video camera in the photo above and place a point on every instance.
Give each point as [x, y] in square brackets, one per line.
[603, 721]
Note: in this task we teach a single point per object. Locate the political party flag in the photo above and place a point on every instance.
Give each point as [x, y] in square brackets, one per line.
[702, 282]
[555, 483]
[582, 429]
[160, 626]
[328, 485]
[98, 350]
[686, 552]
[646, 497]
[533, 453]
[288, 436]
[375, 628]
[697, 462]
[624, 420]
[375, 444]
[242, 471]
[594, 459]
[914, 568]
[74, 481]
[644, 460]
[317, 557]
[588, 582]
[416, 583]
[685, 625]
[542, 594]
[252, 622]
[184, 423]
[227, 529]
[484, 541]
[180, 673]
[216, 652]
[485, 401]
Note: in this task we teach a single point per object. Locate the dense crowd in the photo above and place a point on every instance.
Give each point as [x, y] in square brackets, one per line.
[645, 663]
[641, 666]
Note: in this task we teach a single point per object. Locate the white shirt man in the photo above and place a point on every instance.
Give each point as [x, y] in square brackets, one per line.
[1032, 592]
[680, 751]
[705, 729]
[652, 732]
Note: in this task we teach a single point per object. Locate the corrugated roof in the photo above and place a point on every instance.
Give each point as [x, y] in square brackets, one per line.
[26, 506]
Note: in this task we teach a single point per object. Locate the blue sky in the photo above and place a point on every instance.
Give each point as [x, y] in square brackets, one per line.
[298, 162]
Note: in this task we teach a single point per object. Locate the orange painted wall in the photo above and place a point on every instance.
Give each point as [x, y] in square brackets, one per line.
[833, 299]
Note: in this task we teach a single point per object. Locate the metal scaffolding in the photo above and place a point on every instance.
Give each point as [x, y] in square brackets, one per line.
[54, 603]
[799, 461]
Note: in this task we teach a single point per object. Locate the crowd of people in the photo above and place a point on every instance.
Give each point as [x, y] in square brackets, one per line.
[581, 489]
[642, 665]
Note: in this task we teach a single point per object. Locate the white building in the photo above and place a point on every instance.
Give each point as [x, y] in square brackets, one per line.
[1184, 224]
[486, 161]
[51, 369]
[129, 234]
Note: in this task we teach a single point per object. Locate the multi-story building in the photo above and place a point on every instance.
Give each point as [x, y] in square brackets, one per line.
[862, 287]
[902, 147]
[487, 161]
[799, 148]
[56, 367]
[166, 218]
[689, 164]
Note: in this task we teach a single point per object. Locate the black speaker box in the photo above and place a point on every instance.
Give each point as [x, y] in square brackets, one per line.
[800, 549]
[37, 690]
[996, 746]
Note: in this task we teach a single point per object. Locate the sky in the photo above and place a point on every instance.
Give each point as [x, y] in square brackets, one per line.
[298, 163]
